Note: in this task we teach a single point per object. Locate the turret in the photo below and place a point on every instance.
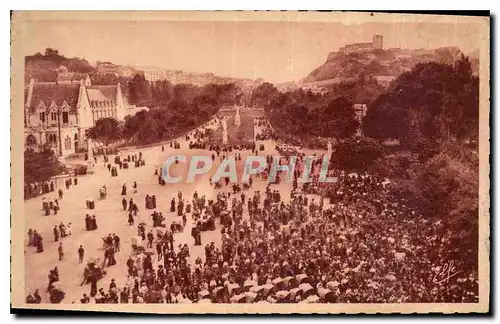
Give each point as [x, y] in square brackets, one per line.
[378, 41]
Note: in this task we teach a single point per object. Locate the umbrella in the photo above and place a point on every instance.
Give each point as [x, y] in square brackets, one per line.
[267, 287]
[217, 289]
[322, 292]
[305, 287]
[277, 281]
[237, 298]
[294, 291]
[312, 299]
[205, 301]
[256, 289]
[250, 283]
[282, 294]
[56, 285]
[332, 284]
[287, 279]
[390, 277]
[301, 277]
[271, 300]
[231, 287]
[204, 293]
[250, 296]
[94, 260]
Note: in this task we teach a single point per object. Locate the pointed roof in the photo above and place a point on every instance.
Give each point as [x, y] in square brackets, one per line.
[102, 92]
[48, 92]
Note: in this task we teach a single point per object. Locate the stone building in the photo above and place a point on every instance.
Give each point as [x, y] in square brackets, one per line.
[57, 114]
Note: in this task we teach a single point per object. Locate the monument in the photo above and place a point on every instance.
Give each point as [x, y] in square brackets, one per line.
[237, 120]
[224, 131]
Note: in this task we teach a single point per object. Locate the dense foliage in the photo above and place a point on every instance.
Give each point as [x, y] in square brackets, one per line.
[163, 93]
[40, 166]
[43, 67]
[305, 114]
[433, 110]
[356, 154]
[432, 101]
[176, 109]
[105, 131]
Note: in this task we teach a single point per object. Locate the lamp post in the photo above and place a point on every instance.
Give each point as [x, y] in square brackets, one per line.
[59, 129]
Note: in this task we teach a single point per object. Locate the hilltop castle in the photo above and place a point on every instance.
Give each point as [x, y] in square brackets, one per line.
[376, 44]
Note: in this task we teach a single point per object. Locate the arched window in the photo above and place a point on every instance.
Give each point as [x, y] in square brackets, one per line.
[31, 140]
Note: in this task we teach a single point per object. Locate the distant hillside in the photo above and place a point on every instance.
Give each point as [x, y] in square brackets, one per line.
[44, 67]
[382, 64]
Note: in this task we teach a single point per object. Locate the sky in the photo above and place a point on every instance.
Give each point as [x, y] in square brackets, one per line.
[274, 51]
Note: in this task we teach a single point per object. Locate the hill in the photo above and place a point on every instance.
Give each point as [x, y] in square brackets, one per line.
[44, 67]
[382, 64]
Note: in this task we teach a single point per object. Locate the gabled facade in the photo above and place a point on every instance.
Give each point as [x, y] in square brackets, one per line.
[57, 114]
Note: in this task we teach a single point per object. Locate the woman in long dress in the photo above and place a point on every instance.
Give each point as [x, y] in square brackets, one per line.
[172, 205]
[124, 190]
[39, 244]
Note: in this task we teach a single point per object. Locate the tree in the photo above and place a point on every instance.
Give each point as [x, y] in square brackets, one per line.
[51, 52]
[148, 131]
[40, 166]
[448, 190]
[356, 154]
[263, 95]
[338, 119]
[434, 101]
[138, 89]
[105, 130]
[103, 79]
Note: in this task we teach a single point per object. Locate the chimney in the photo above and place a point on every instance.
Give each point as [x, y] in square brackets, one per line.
[30, 92]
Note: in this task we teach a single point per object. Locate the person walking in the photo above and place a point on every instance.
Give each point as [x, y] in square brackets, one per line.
[61, 252]
[81, 253]
[124, 203]
[56, 234]
[116, 242]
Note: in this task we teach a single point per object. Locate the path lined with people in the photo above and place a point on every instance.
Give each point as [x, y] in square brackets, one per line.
[247, 242]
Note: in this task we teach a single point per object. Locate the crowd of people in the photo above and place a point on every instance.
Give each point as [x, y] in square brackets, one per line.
[35, 189]
[361, 245]
[366, 246]
[266, 132]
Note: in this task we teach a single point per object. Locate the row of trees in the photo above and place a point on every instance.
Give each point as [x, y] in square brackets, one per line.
[177, 109]
[432, 111]
[161, 93]
[306, 114]
[40, 166]
[433, 102]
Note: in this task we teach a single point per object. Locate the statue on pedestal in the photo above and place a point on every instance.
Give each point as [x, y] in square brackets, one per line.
[237, 120]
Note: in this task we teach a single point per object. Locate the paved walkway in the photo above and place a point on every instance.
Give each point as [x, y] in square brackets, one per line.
[112, 219]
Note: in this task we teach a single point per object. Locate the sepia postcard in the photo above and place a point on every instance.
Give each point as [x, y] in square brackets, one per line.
[251, 162]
